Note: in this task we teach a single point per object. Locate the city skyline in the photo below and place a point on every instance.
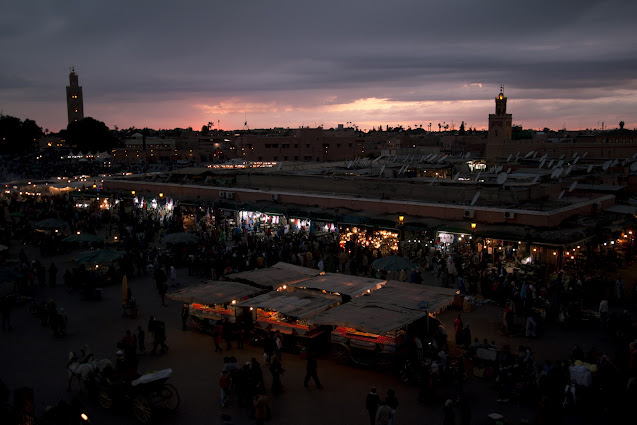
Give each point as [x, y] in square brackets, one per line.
[287, 64]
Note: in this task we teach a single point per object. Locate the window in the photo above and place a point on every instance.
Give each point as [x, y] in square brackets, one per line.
[268, 146]
[296, 158]
[349, 145]
[307, 158]
[307, 145]
[275, 145]
[285, 158]
[296, 145]
[338, 145]
[285, 145]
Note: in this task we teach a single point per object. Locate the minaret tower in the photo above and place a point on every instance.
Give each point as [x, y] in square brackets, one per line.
[74, 99]
[500, 123]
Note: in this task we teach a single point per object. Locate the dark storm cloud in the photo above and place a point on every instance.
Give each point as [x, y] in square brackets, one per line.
[350, 49]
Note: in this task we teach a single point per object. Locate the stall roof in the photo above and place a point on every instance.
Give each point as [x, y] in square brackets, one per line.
[392, 307]
[215, 292]
[297, 304]
[622, 209]
[276, 276]
[341, 283]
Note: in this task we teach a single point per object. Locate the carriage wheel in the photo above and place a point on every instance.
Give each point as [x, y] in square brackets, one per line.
[168, 397]
[104, 398]
[142, 409]
[340, 353]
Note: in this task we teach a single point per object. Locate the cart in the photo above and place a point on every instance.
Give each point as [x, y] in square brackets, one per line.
[144, 395]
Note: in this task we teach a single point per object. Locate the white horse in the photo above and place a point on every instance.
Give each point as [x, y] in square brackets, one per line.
[85, 368]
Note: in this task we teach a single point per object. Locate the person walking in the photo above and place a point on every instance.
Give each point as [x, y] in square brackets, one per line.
[159, 336]
[372, 401]
[261, 408]
[224, 385]
[458, 325]
[450, 417]
[310, 371]
[216, 338]
[276, 370]
[392, 401]
[384, 414]
[185, 314]
[141, 340]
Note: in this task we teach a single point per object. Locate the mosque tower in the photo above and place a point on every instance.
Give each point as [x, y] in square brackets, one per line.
[500, 127]
[74, 99]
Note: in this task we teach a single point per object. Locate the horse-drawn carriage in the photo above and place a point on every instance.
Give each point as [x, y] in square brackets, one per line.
[143, 395]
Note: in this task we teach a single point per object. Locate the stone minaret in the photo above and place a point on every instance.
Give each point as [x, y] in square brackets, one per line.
[74, 99]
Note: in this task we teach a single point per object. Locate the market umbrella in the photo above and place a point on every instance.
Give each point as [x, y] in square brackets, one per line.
[8, 274]
[50, 223]
[6, 289]
[393, 263]
[3, 248]
[83, 237]
[180, 238]
[124, 290]
[99, 256]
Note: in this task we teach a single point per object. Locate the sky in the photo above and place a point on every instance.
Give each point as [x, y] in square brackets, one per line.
[290, 63]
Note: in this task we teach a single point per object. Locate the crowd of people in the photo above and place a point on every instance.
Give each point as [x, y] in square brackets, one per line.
[224, 247]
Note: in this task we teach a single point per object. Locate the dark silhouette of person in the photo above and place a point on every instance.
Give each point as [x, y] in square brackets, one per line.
[311, 371]
[372, 401]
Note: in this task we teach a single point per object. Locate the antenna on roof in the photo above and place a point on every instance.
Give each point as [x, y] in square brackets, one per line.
[502, 178]
[475, 199]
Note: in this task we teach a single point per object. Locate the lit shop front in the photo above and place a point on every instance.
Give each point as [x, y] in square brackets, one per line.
[386, 241]
[255, 221]
[162, 207]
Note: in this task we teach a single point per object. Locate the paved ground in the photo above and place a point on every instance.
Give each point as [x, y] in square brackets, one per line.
[32, 357]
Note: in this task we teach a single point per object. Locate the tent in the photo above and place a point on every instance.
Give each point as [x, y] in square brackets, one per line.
[392, 307]
[341, 283]
[297, 304]
[276, 276]
[214, 292]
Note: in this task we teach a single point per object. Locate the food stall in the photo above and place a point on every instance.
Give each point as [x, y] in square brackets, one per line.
[370, 329]
[279, 275]
[215, 302]
[288, 313]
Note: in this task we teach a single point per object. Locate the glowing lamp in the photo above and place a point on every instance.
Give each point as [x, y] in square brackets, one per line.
[161, 195]
[132, 192]
[474, 225]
